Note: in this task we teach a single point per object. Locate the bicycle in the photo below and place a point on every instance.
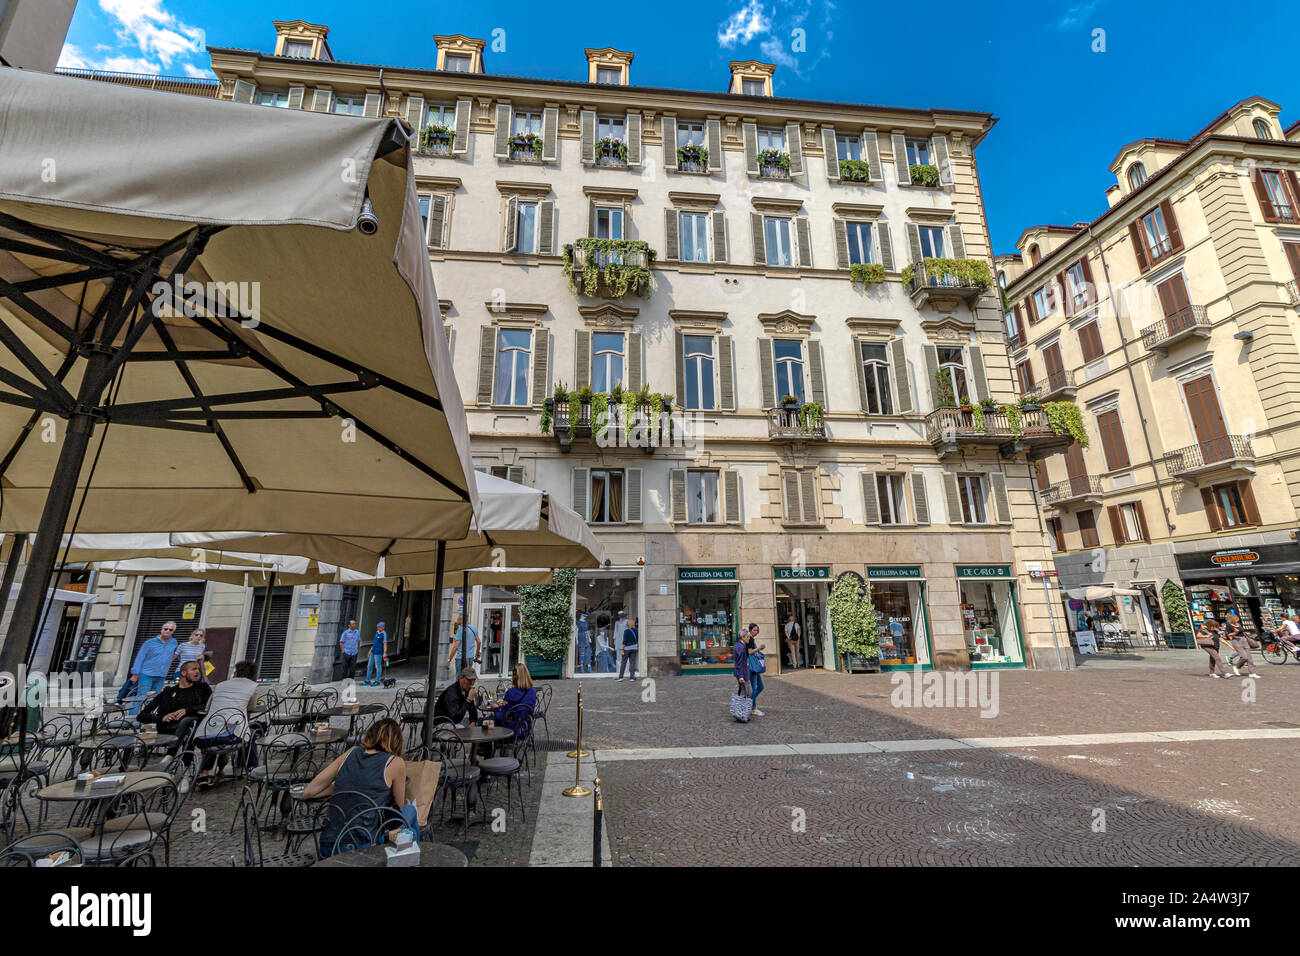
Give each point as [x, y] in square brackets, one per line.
[1277, 648]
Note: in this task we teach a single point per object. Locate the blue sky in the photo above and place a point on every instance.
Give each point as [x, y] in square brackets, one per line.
[1064, 109]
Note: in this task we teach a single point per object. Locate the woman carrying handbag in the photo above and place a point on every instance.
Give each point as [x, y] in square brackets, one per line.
[757, 661]
[741, 702]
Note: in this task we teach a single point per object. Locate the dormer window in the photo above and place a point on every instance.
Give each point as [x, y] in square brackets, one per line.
[753, 87]
[456, 63]
[298, 49]
[1137, 175]
[1262, 129]
[609, 76]
[1035, 254]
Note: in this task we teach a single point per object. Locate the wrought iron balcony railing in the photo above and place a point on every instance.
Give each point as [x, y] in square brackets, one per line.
[1072, 489]
[1056, 385]
[792, 423]
[1189, 321]
[1210, 455]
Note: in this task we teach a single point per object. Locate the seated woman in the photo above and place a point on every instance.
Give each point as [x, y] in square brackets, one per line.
[368, 775]
[522, 693]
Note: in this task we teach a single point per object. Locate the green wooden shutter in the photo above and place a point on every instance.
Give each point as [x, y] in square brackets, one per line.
[794, 146]
[546, 227]
[244, 91]
[726, 374]
[460, 142]
[414, 114]
[634, 374]
[943, 160]
[501, 134]
[581, 359]
[374, 102]
[677, 495]
[871, 150]
[920, 501]
[587, 124]
[578, 487]
[816, 373]
[550, 133]
[719, 236]
[931, 354]
[900, 159]
[1001, 504]
[437, 221]
[805, 241]
[680, 351]
[749, 134]
[756, 232]
[296, 94]
[870, 499]
[634, 139]
[541, 366]
[885, 245]
[832, 154]
[977, 373]
[914, 244]
[632, 496]
[714, 130]
[731, 496]
[956, 241]
[841, 244]
[902, 384]
[670, 141]
[954, 499]
[487, 357]
[767, 370]
[672, 242]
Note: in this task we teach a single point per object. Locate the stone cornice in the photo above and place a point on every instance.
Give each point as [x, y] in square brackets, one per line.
[772, 204]
[692, 319]
[451, 183]
[857, 209]
[928, 214]
[949, 328]
[861, 325]
[516, 313]
[608, 316]
[786, 322]
[694, 199]
[533, 190]
[608, 192]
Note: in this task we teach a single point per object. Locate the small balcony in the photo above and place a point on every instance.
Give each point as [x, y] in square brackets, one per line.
[1016, 342]
[608, 268]
[693, 159]
[1083, 490]
[434, 141]
[773, 164]
[650, 427]
[1057, 386]
[944, 282]
[950, 429]
[526, 148]
[1229, 456]
[1292, 290]
[795, 423]
[1187, 323]
[611, 152]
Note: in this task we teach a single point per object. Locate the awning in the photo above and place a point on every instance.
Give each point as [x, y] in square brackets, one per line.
[59, 594]
[1246, 571]
[1100, 593]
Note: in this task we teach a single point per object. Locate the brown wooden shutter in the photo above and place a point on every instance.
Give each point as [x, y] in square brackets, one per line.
[1207, 415]
[766, 369]
[1139, 245]
[1112, 440]
[1020, 321]
[920, 502]
[1031, 310]
[1261, 193]
[731, 496]
[1248, 502]
[1292, 250]
[808, 493]
[756, 233]
[1211, 509]
[672, 242]
[1171, 224]
[1116, 524]
[792, 510]
[1001, 503]
[726, 374]
[1142, 521]
[1088, 528]
[1293, 184]
[1052, 362]
[953, 498]
[1065, 301]
[1174, 300]
[1090, 287]
[1041, 476]
[870, 499]
[1090, 342]
[541, 366]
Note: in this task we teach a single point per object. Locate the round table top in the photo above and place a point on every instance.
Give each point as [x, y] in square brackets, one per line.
[351, 710]
[484, 735]
[79, 790]
[159, 740]
[431, 854]
[306, 738]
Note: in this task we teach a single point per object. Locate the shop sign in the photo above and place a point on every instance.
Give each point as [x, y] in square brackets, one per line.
[815, 572]
[896, 571]
[1240, 558]
[984, 571]
[706, 574]
[188, 612]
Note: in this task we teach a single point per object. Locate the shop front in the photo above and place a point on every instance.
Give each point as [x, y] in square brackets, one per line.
[990, 616]
[708, 606]
[898, 595]
[1261, 584]
[801, 595]
[606, 602]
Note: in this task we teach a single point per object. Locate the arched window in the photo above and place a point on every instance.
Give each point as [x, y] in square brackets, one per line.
[1137, 175]
[1034, 254]
[1262, 129]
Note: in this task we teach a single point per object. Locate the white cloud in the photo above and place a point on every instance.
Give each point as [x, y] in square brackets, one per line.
[148, 39]
[1075, 15]
[743, 25]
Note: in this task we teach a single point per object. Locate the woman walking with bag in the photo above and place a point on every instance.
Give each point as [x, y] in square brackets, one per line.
[757, 661]
[741, 703]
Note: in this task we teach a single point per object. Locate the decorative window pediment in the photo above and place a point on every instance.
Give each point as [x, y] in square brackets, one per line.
[787, 322]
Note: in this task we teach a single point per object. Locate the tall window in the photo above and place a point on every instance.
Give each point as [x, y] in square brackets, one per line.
[1035, 254]
[893, 502]
[931, 241]
[918, 152]
[1076, 286]
[1009, 323]
[1002, 281]
[1137, 175]
[606, 360]
[456, 63]
[514, 352]
[693, 229]
[699, 372]
[526, 228]
[859, 235]
[1278, 195]
[611, 127]
[690, 134]
[1058, 534]
[771, 139]
[702, 497]
[777, 240]
[1156, 233]
[953, 365]
[1262, 129]
[440, 114]
[425, 201]
[352, 104]
[848, 147]
[607, 224]
[1232, 512]
[274, 98]
[789, 368]
[606, 497]
[875, 369]
[1088, 528]
[609, 76]
[1131, 522]
[1043, 305]
[526, 121]
[970, 488]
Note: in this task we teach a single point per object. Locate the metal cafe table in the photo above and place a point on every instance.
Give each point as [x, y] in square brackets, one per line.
[352, 712]
[431, 854]
[85, 796]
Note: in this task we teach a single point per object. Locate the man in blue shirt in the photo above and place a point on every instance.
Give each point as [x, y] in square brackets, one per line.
[149, 669]
[629, 651]
[349, 643]
[461, 638]
[378, 656]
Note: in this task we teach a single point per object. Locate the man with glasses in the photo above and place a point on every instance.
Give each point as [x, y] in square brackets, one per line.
[149, 669]
[456, 702]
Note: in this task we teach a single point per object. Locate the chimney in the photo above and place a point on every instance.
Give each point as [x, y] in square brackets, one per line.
[1112, 194]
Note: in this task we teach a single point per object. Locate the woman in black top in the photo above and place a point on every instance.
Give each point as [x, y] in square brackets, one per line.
[371, 774]
[1235, 634]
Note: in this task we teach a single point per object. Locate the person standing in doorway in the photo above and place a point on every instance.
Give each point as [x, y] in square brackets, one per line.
[1207, 638]
[462, 634]
[752, 656]
[349, 644]
[1235, 635]
[149, 669]
[629, 651]
[793, 640]
[584, 644]
[378, 656]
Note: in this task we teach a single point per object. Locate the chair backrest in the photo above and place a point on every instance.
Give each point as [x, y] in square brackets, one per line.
[27, 850]
[148, 805]
[331, 817]
[451, 749]
[114, 751]
[230, 721]
[16, 795]
[544, 692]
[519, 718]
[246, 813]
[366, 828]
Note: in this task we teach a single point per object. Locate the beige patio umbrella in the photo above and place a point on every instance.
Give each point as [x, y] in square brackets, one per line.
[239, 333]
[499, 577]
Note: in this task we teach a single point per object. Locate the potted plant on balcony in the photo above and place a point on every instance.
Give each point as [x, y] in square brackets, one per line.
[523, 141]
[546, 623]
[924, 174]
[692, 155]
[863, 274]
[854, 171]
[437, 135]
[611, 147]
[790, 402]
[943, 393]
[773, 159]
[1064, 418]
[810, 416]
[1029, 402]
[966, 405]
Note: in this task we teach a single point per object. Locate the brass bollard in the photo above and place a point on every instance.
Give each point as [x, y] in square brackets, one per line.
[578, 753]
[578, 790]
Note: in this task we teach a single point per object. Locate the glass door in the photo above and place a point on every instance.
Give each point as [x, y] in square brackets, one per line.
[500, 633]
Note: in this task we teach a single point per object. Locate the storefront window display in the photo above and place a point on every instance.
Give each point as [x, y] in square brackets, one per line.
[898, 597]
[707, 603]
[988, 610]
[610, 599]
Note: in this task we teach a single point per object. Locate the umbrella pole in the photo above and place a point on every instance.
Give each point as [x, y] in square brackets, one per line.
[264, 624]
[17, 547]
[464, 616]
[435, 625]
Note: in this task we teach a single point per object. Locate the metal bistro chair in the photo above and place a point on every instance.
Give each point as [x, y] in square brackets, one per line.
[222, 737]
[366, 828]
[246, 813]
[544, 692]
[283, 761]
[367, 716]
[27, 850]
[334, 816]
[264, 705]
[509, 766]
[58, 738]
[459, 774]
[137, 819]
[17, 795]
[408, 710]
[113, 753]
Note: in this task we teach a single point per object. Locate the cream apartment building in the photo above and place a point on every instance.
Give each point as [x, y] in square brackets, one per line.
[713, 253]
[1171, 320]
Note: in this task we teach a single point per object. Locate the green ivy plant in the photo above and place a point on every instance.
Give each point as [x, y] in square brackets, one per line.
[973, 271]
[1015, 421]
[619, 277]
[693, 154]
[854, 619]
[547, 416]
[612, 145]
[864, 274]
[924, 174]
[599, 414]
[811, 416]
[436, 133]
[528, 141]
[575, 409]
[1175, 602]
[546, 617]
[855, 170]
[1064, 418]
[774, 157]
[944, 395]
[977, 417]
